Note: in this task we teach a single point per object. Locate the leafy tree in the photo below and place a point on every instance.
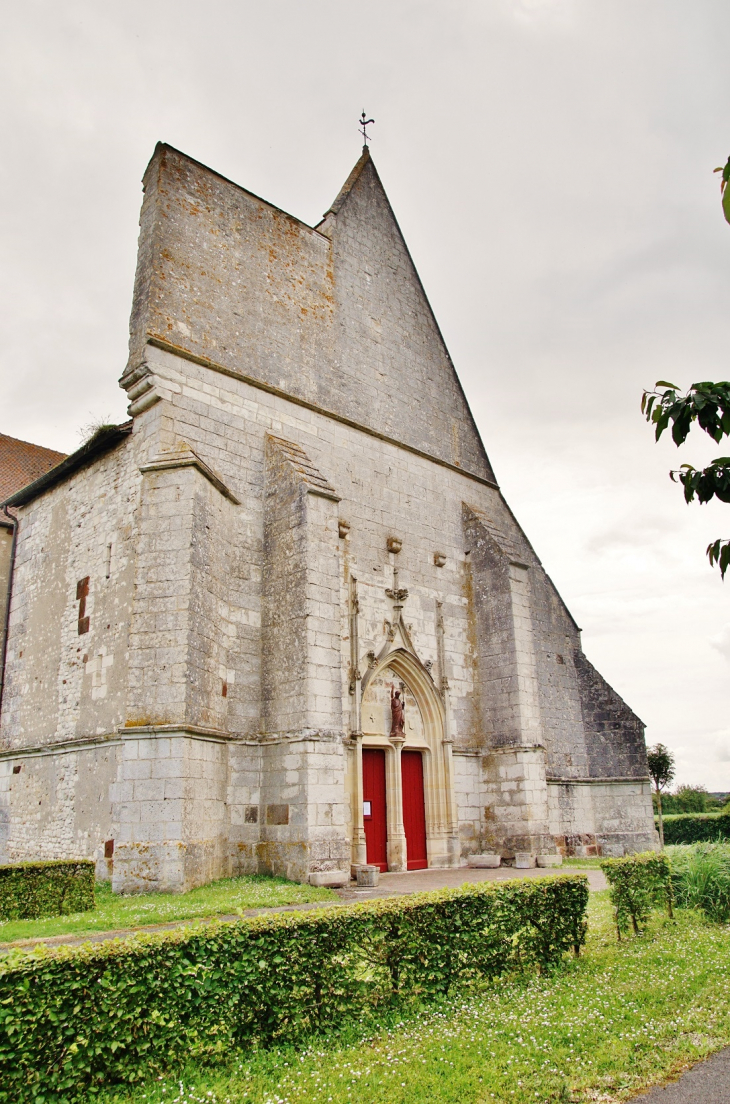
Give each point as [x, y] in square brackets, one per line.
[661, 769]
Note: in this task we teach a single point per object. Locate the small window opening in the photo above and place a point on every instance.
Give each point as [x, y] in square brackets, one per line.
[82, 593]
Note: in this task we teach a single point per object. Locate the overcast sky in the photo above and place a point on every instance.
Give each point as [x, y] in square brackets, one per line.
[550, 162]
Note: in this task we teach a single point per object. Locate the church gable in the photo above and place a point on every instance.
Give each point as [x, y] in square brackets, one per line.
[334, 316]
[388, 347]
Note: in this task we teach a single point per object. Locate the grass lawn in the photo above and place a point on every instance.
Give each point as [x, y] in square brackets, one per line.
[621, 1017]
[591, 863]
[229, 895]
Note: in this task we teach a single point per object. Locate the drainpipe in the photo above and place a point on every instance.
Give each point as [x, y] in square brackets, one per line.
[14, 524]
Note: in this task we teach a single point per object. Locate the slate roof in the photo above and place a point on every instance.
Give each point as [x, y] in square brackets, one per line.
[21, 463]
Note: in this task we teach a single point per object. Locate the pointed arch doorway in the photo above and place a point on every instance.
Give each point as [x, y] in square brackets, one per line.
[406, 782]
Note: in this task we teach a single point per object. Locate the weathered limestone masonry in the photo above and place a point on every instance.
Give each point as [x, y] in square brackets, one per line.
[20, 463]
[213, 603]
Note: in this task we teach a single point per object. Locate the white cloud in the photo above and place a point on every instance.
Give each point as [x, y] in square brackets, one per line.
[721, 641]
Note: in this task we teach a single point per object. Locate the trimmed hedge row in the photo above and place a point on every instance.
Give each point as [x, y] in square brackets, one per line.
[29, 891]
[638, 883]
[72, 1019]
[697, 828]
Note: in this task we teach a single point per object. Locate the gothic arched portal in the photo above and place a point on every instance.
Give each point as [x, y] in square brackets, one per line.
[424, 732]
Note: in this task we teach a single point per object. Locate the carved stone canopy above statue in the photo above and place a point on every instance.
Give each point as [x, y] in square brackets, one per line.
[397, 641]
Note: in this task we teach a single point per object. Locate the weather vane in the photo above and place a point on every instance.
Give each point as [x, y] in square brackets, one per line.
[365, 123]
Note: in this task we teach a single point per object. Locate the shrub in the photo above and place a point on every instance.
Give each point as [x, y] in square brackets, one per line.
[697, 828]
[637, 883]
[72, 1019]
[29, 891]
[701, 879]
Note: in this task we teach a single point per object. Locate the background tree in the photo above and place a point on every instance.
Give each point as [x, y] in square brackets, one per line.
[661, 769]
[693, 799]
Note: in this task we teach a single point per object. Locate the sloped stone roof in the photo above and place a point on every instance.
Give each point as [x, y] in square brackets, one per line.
[310, 475]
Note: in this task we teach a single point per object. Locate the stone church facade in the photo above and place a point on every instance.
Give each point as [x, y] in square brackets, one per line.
[214, 604]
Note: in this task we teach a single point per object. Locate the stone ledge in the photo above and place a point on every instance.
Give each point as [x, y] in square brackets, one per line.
[615, 780]
[187, 457]
[62, 747]
[197, 732]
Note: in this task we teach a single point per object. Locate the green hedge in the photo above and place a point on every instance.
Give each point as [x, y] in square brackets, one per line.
[74, 1019]
[697, 828]
[32, 890]
[637, 883]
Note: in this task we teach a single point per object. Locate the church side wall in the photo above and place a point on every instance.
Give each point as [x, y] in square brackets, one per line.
[66, 690]
[602, 818]
[57, 805]
[66, 672]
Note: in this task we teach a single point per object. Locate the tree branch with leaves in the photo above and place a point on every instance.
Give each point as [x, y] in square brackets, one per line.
[724, 190]
[708, 405]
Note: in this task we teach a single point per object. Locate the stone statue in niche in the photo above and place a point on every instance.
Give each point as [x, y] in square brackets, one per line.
[397, 714]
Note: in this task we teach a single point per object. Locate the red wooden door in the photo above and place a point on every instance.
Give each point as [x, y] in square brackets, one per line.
[414, 810]
[374, 812]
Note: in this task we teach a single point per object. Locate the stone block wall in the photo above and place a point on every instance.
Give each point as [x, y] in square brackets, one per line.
[614, 734]
[470, 801]
[601, 818]
[56, 805]
[169, 811]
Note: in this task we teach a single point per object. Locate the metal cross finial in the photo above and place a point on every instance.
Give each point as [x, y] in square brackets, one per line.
[365, 123]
